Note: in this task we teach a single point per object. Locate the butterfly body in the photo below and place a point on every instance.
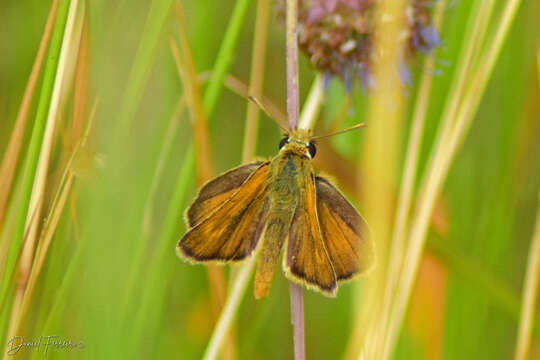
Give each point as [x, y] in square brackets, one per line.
[287, 184]
[274, 204]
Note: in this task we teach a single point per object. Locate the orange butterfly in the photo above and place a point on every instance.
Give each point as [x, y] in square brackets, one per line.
[276, 203]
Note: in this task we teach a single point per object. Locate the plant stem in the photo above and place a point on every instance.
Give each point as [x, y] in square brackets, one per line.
[158, 15]
[312, 106]
[36, 140]
[380, 155]
[169, 230]
[407, 184]
[11, 155]
[530, 291]
[229, 309]
[440, 164]
[297, 320]
[292, 63]
[40, 180]
[225, 56]
[232, 303]
[188, 74]
[297, 302]
[256, 78]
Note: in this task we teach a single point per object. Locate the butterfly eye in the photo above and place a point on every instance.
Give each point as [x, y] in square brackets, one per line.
[283, 142]
[312, 149]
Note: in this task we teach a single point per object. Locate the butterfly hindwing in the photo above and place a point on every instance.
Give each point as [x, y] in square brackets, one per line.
[306, 260]
[217, 191]
[231, 230]
[345, 233]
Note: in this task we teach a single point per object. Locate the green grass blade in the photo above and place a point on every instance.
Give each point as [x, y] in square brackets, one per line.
[34, 146]
[225, 56]
[155, 21]
[176, 206]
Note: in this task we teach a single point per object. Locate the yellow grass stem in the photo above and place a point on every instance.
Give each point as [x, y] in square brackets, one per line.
[378, 164]
[205, 171]
[215, 274]
[80, 92]
[230, 309]
[256, 78]
[530, 289]
[38, 191]
[440, 163]
[476, 26]
[401, 223]
[11, 155]
[186, 68]
[313, 104]
[530, 292]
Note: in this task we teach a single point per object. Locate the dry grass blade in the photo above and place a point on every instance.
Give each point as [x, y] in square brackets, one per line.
[48, 140]
[380, 153]
[408, 181]
[530, 292]
[49, 228]
[38, 189]
[446, 148]
[312, 107]
[530, 288]
[256, 78]
[188, 74]
[186, 68]
[80, 91]
[230, 309]
[7, 171]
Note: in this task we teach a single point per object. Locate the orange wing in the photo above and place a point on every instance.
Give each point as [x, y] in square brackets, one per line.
[215, 192]
[230, 231]
[344, 231]
[306, 260]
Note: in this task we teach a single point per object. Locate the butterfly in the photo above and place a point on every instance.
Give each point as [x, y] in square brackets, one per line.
[264, 206]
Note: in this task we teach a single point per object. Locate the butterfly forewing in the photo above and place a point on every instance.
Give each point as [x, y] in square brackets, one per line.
[344, 231]
[306, 259]
[215, 192]
[231, 230]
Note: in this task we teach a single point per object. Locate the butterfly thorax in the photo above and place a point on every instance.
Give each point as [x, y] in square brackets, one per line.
[289, 171]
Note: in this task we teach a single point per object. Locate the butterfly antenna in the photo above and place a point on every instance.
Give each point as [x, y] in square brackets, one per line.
[357, 126]
[265, 110]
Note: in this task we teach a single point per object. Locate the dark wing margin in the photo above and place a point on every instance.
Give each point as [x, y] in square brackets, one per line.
[306, 260]
[231, 232]
[218, 190]
[345, 233]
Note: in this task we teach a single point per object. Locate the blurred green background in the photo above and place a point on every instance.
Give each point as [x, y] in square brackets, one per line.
[124, 292]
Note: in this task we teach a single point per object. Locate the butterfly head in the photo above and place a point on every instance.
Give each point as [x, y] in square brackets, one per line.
[299, 141]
